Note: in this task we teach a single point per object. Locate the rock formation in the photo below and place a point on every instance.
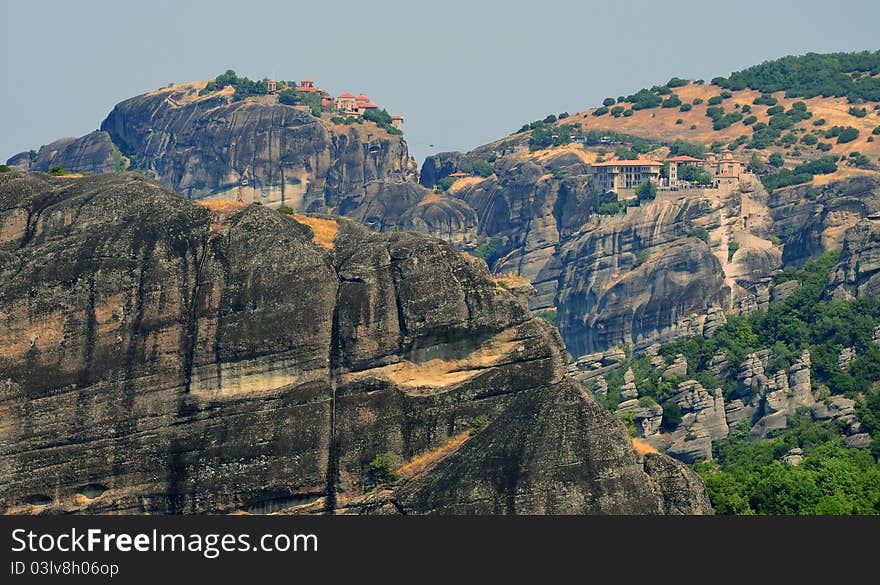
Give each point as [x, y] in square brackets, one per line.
[258, 150]
[165, 357]
[858, 272]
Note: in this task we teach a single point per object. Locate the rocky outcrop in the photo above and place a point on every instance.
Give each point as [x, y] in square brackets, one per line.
[782, 396]
[703, 421]
[857, 274]
[528, 205]
[164, 357]
[438, 166]
[92, 153]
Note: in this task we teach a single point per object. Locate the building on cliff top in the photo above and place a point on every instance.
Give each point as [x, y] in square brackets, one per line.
[623, 176]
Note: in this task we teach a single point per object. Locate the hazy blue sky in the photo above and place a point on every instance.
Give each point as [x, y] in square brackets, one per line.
[461, 72]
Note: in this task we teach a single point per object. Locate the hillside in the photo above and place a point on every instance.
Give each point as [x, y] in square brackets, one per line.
[796, 107]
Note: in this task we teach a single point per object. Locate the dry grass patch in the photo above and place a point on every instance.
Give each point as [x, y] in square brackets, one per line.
[423, 461]
[463, 182]
[224, 206]
[642, 447]
[323, 230]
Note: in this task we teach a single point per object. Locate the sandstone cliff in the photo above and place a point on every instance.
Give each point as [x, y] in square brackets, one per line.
[165, 357]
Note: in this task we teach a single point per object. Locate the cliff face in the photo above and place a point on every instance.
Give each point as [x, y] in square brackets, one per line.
[258, 150]
[857, 275]
[660, 271]
[164, 357]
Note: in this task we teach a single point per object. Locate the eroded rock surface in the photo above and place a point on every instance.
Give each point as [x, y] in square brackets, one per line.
[165, 357]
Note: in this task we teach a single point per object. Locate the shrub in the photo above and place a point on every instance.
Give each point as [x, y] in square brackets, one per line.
[600, 111]
[697, 101]
[858, 112]
[726, 95]
[685, 108]
[4, 169]
[285, 210]
[644, 99]
[627, 113]
[819, 122]
[848, 134]
[477, 166]
[58, 171]
[823, 146]
[700, 233]
[756, 165]
[607, 102]
[676, 82]
[625, 153]
[746, 109]
[732, 247]
[679, 121]
[750, 120]
[487, 250]
[616, 111]
[766, 100]
[641, 258]
[549, 315]
[715, 100]
[479, 425]
[685, 148]
[672, 101]
[809, 139]
[876, 131]
[772, 111]
[445, 183]
[382, 469]
[646, 191]
[671, 416]
[775, 160]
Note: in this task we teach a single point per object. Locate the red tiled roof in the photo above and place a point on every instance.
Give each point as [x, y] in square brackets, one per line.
[305, 81]
[458, 174]
[363, 98]
[346, 96]
[397, 117]
[367, 105]
[683, 158]
[628, 163]
[307, 89]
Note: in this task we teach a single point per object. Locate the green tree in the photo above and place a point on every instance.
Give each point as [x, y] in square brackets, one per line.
[382, 469]
[646, 191]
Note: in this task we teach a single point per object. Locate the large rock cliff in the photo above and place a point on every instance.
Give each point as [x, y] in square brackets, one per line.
[259, 150]
[165, 357]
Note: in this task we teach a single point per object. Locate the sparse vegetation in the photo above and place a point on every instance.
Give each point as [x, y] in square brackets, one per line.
[381, 469]
[700, 233]
[487, 249]
[549, 315]
[58, 171]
